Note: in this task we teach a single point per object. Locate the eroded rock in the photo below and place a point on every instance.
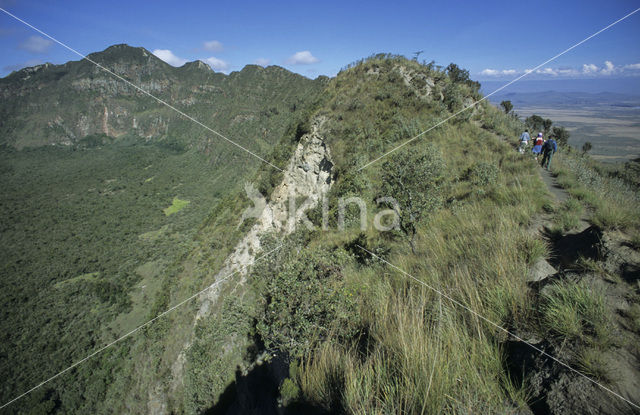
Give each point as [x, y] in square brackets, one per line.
[541, 270]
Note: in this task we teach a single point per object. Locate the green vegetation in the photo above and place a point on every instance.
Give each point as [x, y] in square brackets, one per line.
[87, 252]
[611, 201]
[306, 299]
[592, 362]
[561, 136]
[507, 106]
[90, 277]
[415, 180]
[360, 337]
[176, 206]
[77, 225]
[575, 311]
[405, 349]
[567, 217]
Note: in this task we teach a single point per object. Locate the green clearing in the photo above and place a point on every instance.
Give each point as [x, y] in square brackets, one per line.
[90, 277]
[176, 206]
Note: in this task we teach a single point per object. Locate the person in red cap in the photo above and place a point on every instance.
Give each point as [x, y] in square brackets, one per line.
[537, 146]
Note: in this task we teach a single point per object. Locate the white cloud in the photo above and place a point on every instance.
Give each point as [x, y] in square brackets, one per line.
[490, 72]
[218, 64]
[168, 56]
[302, 58]
[213, 46]
[547, 71]
[262, 61]
[567, 71]
[497, 72]
[609, 68]
[587, 70]
[36, 44]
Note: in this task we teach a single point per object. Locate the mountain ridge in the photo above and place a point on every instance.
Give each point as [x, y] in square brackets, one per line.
[66, 103]
[121, 50]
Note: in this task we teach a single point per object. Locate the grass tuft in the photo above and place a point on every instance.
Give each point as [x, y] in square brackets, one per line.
[592, 362]
[575, 311]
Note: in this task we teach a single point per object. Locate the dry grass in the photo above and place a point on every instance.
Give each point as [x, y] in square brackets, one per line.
[613, 204]
[419, 352]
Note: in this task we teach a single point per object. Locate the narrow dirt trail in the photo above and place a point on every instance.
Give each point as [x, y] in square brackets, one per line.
[554, 188]
[543, 221]
[547, 177]
[616, 267]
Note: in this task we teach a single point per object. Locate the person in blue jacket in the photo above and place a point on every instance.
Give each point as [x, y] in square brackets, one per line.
[548, 150]
[524, 140]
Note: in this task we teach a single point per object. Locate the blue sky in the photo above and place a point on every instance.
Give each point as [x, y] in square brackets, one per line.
[494, 40]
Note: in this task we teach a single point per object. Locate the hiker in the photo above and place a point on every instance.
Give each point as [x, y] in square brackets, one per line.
[524, 141]
[548, 150]
[537, 146]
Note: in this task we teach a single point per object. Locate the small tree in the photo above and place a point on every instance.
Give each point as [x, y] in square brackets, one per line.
[507, 106]
[534, 122]
[546, 125]
[562, 135]
[457, 74]
[586, 147]
[414, 179]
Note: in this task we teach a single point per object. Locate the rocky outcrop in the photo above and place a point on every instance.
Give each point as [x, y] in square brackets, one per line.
[308, 177]
[418, 82]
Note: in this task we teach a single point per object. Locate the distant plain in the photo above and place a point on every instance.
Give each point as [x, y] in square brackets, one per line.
[609, 120]
[614, 132]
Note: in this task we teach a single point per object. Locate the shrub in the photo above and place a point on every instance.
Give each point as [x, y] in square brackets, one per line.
[562, 136]
[507, 106]
[453, 97]
[483, 173]
[535, 123]
[414, 179]
[305, 299]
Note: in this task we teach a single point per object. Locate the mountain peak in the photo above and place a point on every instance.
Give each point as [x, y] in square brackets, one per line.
[123, 51]
[198, 65]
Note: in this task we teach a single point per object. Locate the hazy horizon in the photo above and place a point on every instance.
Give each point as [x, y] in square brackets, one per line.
[628, 85]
